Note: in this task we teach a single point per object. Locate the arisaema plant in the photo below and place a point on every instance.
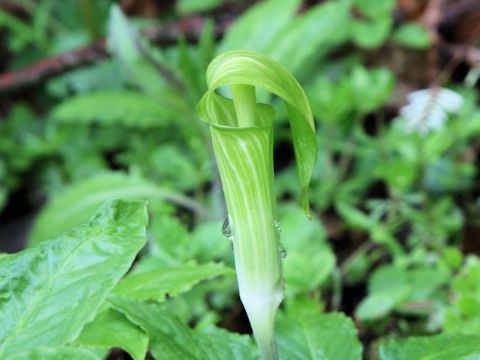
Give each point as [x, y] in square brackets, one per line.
[242, 135]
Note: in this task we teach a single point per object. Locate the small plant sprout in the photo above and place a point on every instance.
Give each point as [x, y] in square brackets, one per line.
[242, 136]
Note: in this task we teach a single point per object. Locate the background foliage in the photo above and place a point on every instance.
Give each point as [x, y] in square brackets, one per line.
[106, 110]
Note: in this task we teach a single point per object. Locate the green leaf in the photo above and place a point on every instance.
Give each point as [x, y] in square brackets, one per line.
[21, 33]
[190, 70]
[440, 347]
[380, 304]
[186, 7]
[311, 35]
[156, 285]
[249, 31]
[309, 259]
[98, 76]
[206, 44]
[370, 88]
[59, 353]
[315, 336]
[392, 286]
[78, 202]
[412, 35]
[353, 216]
[49, 292]
[172, 340]
[375, 8]
[371, 34]
[110, 329]
[250, 68]
[226, 345]
[142, 65]
[210, 244]
[122, 108]
[463, 315]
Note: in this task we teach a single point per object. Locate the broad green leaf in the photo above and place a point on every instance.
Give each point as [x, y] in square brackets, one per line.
[309, 260]
[375, 8]
[316, 336]
[96, 77]
[210, 244]
[111, 329]
[412, 35]
[169, 338]
[226, 345]
[463, 315]
[172, 340]
[190, 70]
[250, 68]
[353, 216]
[311, 35]
[173, 165]
[51, 291]
[371, 33]
[59, 353]
[392, 287]
[206, 44]
[440, 347]
[78, 202]
[186, 7]
[379, 305]
[123, 108]
[141, 64]
[258, 26]
[370, 88]
[156, 285]
[328, 99]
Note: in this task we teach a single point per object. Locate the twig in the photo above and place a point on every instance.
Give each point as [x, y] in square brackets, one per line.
[464, 52]
[52, 66]
[431, 19]
[166, 34]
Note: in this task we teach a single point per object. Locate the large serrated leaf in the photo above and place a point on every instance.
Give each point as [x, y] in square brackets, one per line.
[156, 285]
[49, 292]
[120, 108]
[172, 340]
[315, 336]
[110, 329]
[440, 347]
[78, 202]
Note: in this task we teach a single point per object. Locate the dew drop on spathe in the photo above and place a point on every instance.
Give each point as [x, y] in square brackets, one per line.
[276, 225]
[227, 230]
[281, 249]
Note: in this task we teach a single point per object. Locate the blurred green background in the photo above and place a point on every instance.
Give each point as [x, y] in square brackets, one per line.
[98, 98]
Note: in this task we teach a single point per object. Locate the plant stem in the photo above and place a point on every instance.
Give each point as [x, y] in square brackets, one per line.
[244, 101]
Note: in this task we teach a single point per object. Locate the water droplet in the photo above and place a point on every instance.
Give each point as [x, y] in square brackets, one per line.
[227, 230]
[281, 250]
[276, 225]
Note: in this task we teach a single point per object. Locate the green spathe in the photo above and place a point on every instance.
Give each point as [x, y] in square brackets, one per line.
[249, 68]
[246, 168]
[242, 137]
